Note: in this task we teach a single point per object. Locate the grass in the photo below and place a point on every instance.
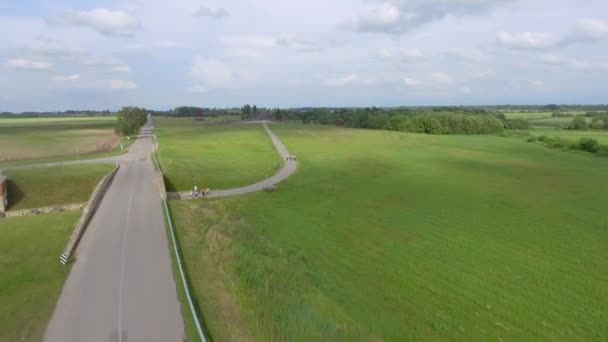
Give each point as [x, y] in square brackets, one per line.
[394, 236]
[29, 140]
[600, 136]
[213, 155]
[43, 187]
[31, 276]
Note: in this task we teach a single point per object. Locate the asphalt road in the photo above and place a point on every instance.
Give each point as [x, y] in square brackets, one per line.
[121, 287]
[288, 169]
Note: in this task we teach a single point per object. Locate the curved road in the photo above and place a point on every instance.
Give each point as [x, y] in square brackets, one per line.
[121, 287]
[288, 169]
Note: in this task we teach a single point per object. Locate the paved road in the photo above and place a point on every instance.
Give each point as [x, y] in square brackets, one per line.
[288, 169]
[121, 287]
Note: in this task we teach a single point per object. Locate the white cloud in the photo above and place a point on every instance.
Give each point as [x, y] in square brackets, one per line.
[411, 82]
[536, 85]
[28, 64]
[400, 16]
[441, 78]
[215, 13]
[160, 44]
[67, 78]
[121, 68]
[342, 81]
[50, 47]
[197, 89]
[102, 20]
[528, 40]
[595, 28]
[122, 84]
[574, 63]
[381, 18]
[411, 53]
[249, 41]
[212, 72]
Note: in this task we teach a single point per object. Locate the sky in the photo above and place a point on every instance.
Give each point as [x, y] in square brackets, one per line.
[104, 54]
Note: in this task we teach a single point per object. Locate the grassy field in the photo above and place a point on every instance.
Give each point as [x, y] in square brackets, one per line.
[54, 185]
[526, 115]
[600, 136]
[394, 236]
[211, 155]
[31, 277]
[27, 140]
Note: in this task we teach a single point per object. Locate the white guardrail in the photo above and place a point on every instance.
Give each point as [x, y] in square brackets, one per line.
[197, 321]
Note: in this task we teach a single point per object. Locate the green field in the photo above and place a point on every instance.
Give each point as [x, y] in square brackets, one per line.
[600, 136]
[526, 115]
[395, 236]
[31, 276]
[29, 140]
[215, 156]
[50, 186]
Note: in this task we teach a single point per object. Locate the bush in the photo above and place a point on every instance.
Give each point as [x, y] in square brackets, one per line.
[579, 123]
[588, 145]
[130, 119]
[517, 124]
[532, 139]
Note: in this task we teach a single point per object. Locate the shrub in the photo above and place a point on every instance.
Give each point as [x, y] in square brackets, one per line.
[578, 123]
[588, 145]
[517, 124]
[531, 139]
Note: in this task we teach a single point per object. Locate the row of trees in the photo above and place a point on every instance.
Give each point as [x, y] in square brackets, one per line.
[130, 119]
[433, 121]
[579, 123]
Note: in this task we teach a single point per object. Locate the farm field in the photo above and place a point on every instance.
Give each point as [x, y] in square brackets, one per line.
[31, 277]
[43, 187]
[211, 155]
[391, 236]
[29, 140]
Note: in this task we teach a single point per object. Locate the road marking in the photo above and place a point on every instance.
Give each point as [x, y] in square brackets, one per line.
[122, 266]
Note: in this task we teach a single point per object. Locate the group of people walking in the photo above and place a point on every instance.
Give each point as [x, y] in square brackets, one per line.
[291, 157]
[196, 193]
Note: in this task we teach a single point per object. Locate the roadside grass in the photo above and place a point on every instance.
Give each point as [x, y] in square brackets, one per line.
[28, 140]
[396, 236]
[213, 155]
[31, 276]
[41, 187]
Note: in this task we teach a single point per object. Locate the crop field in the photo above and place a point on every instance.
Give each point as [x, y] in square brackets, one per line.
[27, 140]
[43, 187]
[397, 236]
[211, 155]
[31, 277]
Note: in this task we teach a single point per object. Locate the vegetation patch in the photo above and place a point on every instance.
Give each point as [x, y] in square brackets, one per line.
[42, 187]
[27, 140]
[393, 236]
[214, 155]
[31, 276]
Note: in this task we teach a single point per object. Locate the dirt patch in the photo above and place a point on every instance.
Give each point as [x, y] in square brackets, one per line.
[109, 145]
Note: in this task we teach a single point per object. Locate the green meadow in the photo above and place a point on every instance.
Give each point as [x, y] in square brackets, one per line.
[31, 276]
[395, 236]
[213, 155]
[47, 139]
[41, 187]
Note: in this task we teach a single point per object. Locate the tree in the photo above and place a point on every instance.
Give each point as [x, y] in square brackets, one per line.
[578, 123]
[246, 112]
[130, 119]
[254, 111]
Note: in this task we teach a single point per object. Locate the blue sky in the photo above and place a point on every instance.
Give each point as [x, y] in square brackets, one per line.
[57, 55]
